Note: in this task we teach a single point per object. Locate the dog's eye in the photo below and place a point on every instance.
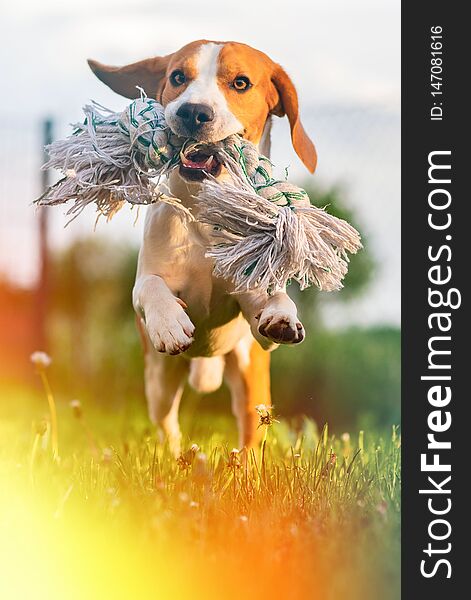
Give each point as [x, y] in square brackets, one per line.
[177, 78]
[241, 83]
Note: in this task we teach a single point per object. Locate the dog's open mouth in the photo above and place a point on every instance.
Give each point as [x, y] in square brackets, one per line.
[196, 164]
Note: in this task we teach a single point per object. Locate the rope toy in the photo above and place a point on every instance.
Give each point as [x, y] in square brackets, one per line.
[264, 232]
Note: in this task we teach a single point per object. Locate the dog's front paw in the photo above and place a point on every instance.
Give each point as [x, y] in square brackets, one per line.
[170, 329]
[281, 327]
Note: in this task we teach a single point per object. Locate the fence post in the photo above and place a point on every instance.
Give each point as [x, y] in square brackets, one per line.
[43, 283]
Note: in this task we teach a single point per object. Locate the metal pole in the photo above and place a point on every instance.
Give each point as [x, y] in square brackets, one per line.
[43, 285]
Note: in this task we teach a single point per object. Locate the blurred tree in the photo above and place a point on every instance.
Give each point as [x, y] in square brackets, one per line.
[343, 377]
[92, 321]
[361, 267]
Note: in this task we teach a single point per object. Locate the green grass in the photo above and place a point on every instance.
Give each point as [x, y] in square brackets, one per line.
[316, 515]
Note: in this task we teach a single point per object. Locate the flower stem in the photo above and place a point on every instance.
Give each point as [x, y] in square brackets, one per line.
[53, 413]
[262, 458]
[34, 451]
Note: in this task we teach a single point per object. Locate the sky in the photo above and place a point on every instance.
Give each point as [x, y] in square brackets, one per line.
[343, 56]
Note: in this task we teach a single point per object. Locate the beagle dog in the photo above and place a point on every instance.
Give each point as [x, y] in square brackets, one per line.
[192, 325]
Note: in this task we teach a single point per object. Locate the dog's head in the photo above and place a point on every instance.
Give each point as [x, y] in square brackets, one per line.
[211, 90]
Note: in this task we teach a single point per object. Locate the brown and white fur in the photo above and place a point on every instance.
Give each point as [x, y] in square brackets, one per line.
[192, 326]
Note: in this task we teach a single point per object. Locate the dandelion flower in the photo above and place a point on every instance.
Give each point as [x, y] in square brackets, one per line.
[382, 508]
[184, 498]
[40, 427]
[185, 460]
[234, 460]
[265, 414]
[330, 464]
[107, 455]
[41, 360]
[76, 407]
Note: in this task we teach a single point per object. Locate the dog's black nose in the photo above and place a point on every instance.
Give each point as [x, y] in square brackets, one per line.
[194, 115]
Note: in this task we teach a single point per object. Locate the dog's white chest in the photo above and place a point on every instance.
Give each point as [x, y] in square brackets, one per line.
[174, 249]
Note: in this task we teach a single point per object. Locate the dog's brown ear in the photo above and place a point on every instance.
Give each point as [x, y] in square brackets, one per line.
[288, 105]
[147, 74]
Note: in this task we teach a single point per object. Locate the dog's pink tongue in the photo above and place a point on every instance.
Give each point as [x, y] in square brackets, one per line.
[197, 164]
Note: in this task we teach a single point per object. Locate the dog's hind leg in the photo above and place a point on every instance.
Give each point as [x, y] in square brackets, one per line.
[248, 377]
[206, 373]
[164, 378]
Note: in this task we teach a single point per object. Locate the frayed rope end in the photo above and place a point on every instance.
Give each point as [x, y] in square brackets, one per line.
[257, 245]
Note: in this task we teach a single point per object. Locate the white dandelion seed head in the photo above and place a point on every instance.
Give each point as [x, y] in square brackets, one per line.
[184, 498]
[201, 457]
[40, 359]
[107, 455]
